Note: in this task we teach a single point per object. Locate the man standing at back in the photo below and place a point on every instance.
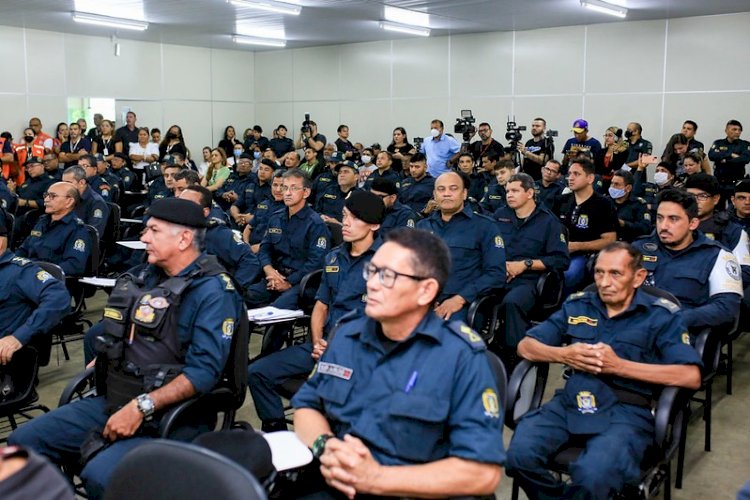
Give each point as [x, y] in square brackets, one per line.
[441, 150]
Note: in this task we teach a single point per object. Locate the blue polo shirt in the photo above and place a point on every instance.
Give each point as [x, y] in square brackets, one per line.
[438, 152]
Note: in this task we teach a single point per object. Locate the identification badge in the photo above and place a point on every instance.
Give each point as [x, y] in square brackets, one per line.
[145, 314]
[334, 370]
[158, 303]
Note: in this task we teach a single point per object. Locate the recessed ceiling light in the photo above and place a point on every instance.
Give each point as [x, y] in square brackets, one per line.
[256, 40]
[405, 16]
[112, 22]
[410, 30]
[605, 8]
[269, 5]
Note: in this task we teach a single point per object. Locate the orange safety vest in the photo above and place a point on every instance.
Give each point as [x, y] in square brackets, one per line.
[10, 169]
[22, 155]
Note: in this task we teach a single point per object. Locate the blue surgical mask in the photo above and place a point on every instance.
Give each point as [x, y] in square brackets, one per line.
[615, 193]
[256, 154]
[237, 153]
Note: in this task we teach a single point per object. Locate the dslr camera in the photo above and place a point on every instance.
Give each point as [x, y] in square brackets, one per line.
[306, 128]
[418, 141]
[465, 125]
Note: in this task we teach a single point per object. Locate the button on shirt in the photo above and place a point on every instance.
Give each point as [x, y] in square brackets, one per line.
[297, 244]
[438, 152]
[31, 300]
[416, 193]
[433, 396]
[342, 287]
[64, 242]
[705, 278]
[538, 236]
[477, 252]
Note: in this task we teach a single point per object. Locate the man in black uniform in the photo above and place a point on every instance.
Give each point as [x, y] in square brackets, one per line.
[30, 194]
[120, 169]
[549, 187]
[591, 220]
[633, 216]
[538, 150]
[741, 204]
[416, 190]
[486, 144]
[637, 144]
[730, 155]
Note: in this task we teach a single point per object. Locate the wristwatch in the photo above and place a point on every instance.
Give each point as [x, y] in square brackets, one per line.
[145, 406]
[319, 445]
[528, 263]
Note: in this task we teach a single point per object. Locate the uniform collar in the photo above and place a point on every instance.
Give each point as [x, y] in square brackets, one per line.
[302, 214]
[6, 257]
[431, 327]
[466, 212]
[640, 300]
[87, 193]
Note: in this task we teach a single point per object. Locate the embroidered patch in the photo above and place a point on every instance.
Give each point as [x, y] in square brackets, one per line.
[578, 320]
[491, 403]
[227, 328]
[79, 246]
[335, 370]
[43, 276]
[586, 402]
[98, 213]
[322, 242]
[499, 243]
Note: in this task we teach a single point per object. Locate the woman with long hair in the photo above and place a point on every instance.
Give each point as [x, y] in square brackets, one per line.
[106, 144]
[144, 151]
[218, 170]
[229, 141]
[612, 156]
[400, 150]
[173, 142]
[61, 136]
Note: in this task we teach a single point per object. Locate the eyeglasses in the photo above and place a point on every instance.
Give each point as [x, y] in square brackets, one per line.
[293, 189]
[381, 196]
[547, 169]
[386, 276]
[703, 196]
[52, 196]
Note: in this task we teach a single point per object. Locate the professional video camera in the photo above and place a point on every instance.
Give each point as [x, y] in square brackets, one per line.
[550, 134]
[513, 133]
[305, 129]
[418, 141]
[465, 125]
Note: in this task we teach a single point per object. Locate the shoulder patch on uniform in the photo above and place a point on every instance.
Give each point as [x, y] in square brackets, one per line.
[499, 243]
[322, 242]
[410, 223]
[667, 304]
[228, 285]
[227, 329]
[79, 245]
[98, 213]
[21, 261]
[640, 200]
[36, 233]
[576, 296]
[491, 403]
[685, 338]
[237, 237]
[468, 335]
[43, 276]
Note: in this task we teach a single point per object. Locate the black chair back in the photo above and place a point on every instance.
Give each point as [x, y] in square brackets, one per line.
[164, 469]
[337, 236]
[501, 379]
[92, 264]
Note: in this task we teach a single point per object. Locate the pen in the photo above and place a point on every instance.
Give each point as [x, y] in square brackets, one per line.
[412, 382]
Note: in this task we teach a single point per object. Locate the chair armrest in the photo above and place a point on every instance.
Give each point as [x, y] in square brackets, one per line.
[211, 400]
[671, 412]
[78, 386]
[547, 280]
[520, 375]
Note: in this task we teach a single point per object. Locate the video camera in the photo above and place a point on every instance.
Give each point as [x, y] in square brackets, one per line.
[306, 128]
[465, 125]
[513, 133]
[418, 141]
[550, 134]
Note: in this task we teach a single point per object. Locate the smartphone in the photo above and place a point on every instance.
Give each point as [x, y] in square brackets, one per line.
[649, 159]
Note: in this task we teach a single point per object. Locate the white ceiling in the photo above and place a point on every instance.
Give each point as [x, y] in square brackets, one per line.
[210, 23]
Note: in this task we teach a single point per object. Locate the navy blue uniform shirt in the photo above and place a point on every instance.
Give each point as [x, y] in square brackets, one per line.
[431, 397]
[251, 195]
[233, 253]
[34, 189]
[64, 242]
[331, 201]
[398, 215]
[295, 246]
[93, 210]
[263, 211]
[477, 252]
[388, 173]
[416, 193]
[635, 214]
[547, 195]
[494, 198]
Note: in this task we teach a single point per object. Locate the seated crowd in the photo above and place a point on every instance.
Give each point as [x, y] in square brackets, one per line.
[402, 398]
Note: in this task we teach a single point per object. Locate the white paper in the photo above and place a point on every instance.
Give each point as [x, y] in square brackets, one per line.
[287, 451]
[134, 245]
[273, 314]
[131, 221]
[103, 282]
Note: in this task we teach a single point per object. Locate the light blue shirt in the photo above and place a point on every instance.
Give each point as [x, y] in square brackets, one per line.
[438, 152]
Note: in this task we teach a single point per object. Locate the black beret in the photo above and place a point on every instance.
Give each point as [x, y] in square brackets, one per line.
[269, 163]
[366, 206]
[743, 186]
[178, 211]
[121, 156]
[382, 185]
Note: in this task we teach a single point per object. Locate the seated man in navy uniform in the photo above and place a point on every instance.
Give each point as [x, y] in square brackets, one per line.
[96, 181]
[59, 236]
[327, 176]
[591, 220]
[549, 187]
[256, 228]
[477, 249]
[294, 245]
[342, 290]
[383, 161]
[416, 190]
[331, 202]
[29, 195]
[120, 170]
[92, 209]
[176, 316]
[705, 277]
[31, 300]
[396, 214]
[534, 244]
[633, 216]
[740, 203]
[237, 182]
[621, 343]
[494, 196]
[403, 403]
[243, 209]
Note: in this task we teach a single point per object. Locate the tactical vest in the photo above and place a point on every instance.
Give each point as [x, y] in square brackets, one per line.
[140, 348]
[714, 227]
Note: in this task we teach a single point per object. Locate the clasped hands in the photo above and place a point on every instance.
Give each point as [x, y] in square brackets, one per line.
[348, 466]
[593, 358]
[277, 282]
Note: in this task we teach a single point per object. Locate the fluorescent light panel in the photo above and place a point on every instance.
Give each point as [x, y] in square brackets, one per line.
[410, 30]
[112, 22]
[408, 17]
[254, 40]
[269, 6]
[605, 8]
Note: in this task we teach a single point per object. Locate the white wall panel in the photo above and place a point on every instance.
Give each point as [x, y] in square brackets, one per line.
[549, 61]
[232, 75]
[186, 72]
[195, 119]
[316, 74]
[45, 53]
[240, 115]
[421, 67]
[273, 76]
[481, 64]
[366, 71]
[13, 58]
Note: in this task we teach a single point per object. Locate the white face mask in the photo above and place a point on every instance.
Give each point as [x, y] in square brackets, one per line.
[434, 132]
[661, 178]
[366, 159]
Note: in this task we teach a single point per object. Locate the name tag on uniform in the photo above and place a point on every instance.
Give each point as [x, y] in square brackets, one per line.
[334, 370]
[274, 230]
[332, 269]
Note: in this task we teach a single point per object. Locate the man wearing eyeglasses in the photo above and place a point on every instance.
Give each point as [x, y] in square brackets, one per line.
[477, 249]
[548, 188]
[295, 243]
[342, 291]
[59, 236]
[97, 183]
[403, 403]
[487, 144]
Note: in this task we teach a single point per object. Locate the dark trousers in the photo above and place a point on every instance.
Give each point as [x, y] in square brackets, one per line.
[515, 307]
[269, 372]
[258, 295]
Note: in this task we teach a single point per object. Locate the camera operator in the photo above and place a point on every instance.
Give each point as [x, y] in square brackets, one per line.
[538, 150]
[486, 145]
[310, 138]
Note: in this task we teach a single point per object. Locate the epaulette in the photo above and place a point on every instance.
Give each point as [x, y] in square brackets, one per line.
[20, 261]
[468, 335]
[666, 304]
[79, 222]
[641, 200]
[577, 296]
